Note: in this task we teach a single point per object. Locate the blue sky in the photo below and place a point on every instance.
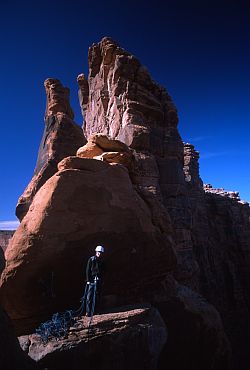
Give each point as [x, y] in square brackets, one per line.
[198, 50]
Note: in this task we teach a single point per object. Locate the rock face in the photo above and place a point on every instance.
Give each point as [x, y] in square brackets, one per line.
[121, 99]
[11, 355]
[61, 138]
[135, 188]
[135, 340]
[57, 98]
[138, 338]
[128, 104]
[56, 238]
[167, 172]
[196, 338]
[221, 244]
[5, 236]
[221, 237]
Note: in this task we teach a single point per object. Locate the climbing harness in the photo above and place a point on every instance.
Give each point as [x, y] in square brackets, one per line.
[58, 327]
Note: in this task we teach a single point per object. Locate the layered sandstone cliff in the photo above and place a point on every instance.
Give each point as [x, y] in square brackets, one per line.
[134, 187]
[61, 138]
[221, 244]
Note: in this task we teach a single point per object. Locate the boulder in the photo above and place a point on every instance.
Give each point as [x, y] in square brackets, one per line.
[130, 339]
[77, 163]
[89, 150]
[75, 210]
[107, 144]
[124, 158]
[103, 148]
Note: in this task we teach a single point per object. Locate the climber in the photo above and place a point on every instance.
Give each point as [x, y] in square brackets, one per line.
[94, 276]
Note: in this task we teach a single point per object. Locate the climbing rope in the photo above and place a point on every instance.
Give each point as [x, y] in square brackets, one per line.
[58, 327]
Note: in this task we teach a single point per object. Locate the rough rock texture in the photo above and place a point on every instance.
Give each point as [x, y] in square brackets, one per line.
[105, 149]
[5, 236]
[190, 337]
[191, 169]
[61, 138]
[11, 355]
[221, 243]
[75, 210]
[57, 98]
[120, 99]
[119, 341]
[221, 238]
[89, 150]
[148, 215]
[196, 338]
[166, 172]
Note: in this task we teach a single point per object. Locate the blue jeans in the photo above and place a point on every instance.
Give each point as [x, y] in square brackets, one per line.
[90, 299]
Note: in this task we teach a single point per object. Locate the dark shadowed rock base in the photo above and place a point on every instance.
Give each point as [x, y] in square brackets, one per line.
[116, 341]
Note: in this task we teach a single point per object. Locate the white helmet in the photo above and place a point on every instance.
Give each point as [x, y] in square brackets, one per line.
[99, 248]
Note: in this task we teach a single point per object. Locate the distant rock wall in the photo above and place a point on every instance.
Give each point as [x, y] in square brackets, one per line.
[5, 236]
[221, 245]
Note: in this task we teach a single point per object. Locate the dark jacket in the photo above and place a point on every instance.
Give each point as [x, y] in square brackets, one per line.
[95, 267]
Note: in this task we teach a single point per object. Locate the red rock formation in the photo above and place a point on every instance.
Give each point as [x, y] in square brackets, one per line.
[221, 244]
[61, 138]
[146, 215]
[139, 339]
[57, 98]
[191, 169]
[102, 147]
[121, 99]
[72, 212]
[135, 339]
[167, 173]
[11, 355]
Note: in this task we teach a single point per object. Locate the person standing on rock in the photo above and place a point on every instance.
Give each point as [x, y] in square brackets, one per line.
[94, 276]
